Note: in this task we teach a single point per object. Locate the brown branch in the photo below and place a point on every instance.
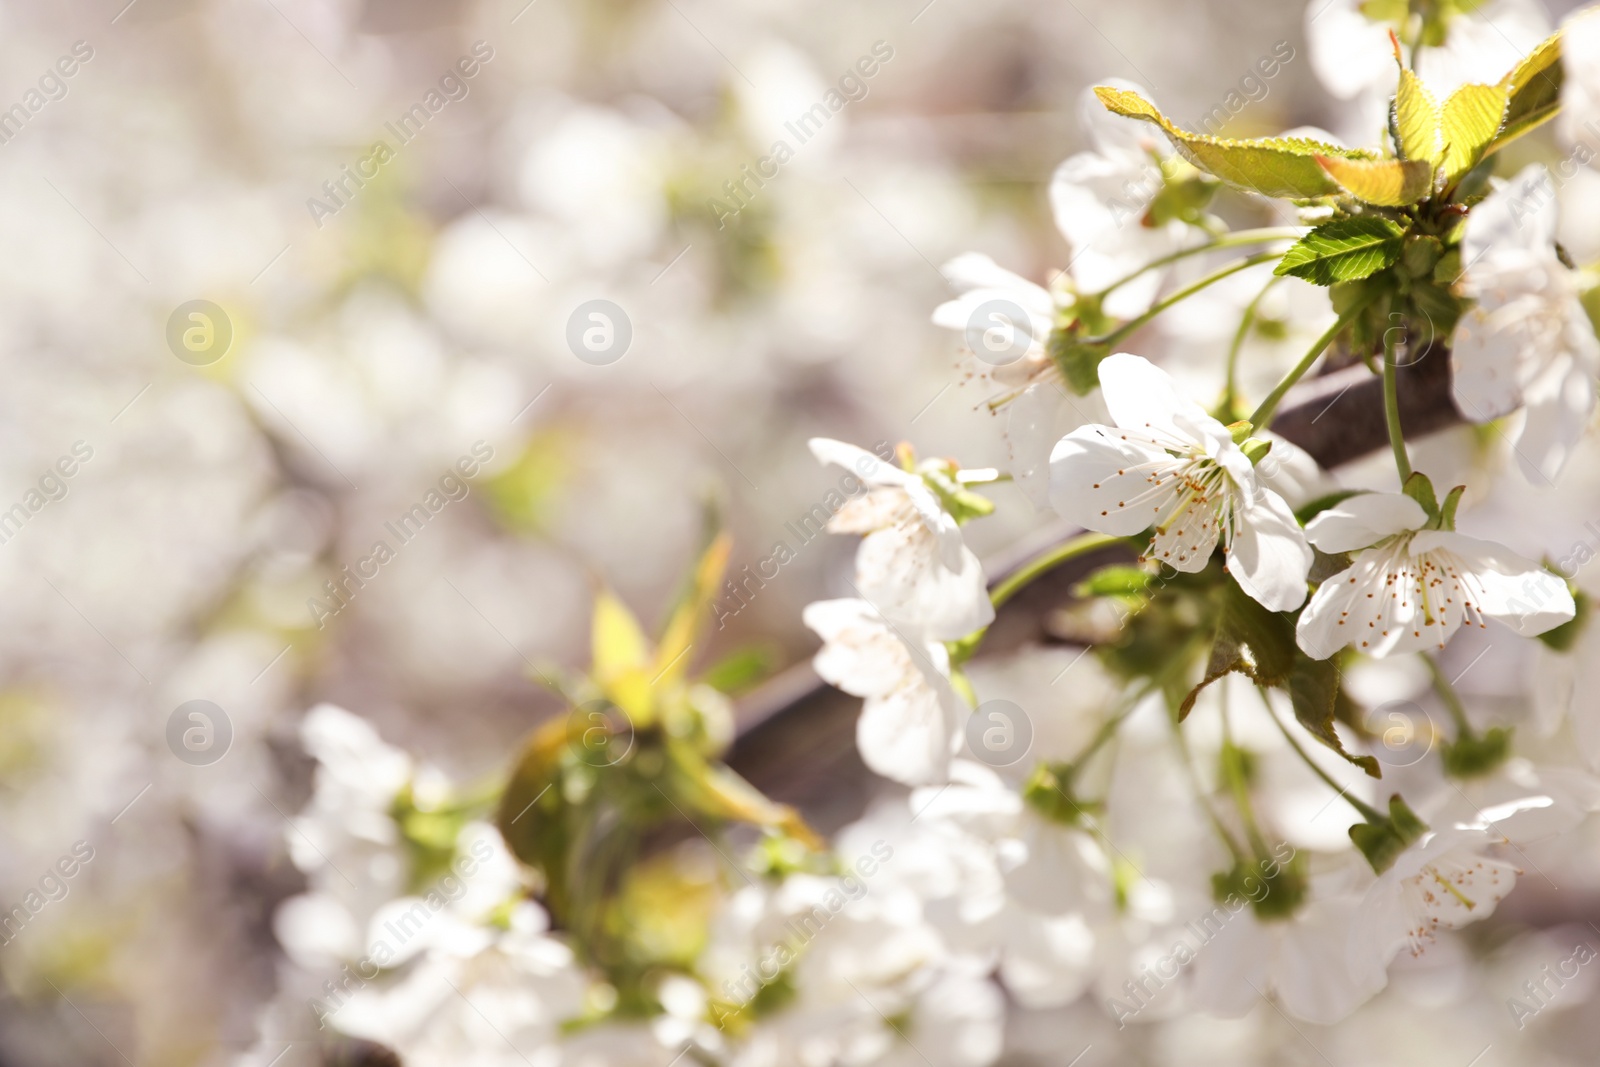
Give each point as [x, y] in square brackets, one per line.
[796, 736]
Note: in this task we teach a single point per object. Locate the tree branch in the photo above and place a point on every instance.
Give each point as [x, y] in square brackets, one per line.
[796, 737]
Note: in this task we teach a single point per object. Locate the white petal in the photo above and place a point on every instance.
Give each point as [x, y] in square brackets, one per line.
[1364, 520]
[901, 571]
[1349, 52]
[908, 734]
[1269, 557]
[1514, 590]
[1580, 89]
[1062, 868]
[873, 510]
[860, 654]
[1485, 365]
[1032, 429]
[1559, 406]
[1101, 479]
[975, 271]
[1144, 397]
[1289, 471]
[937, 521]
[1047, 961]
[1315, 980]
[1518, 216]
[866, 466]
[1232, 969]
[1343, 606]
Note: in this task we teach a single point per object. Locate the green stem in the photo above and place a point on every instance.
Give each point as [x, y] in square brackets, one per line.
[1230, 386]
[1263, 414]
[1217, 824]
[1049, 559]
[1367, 811]
[1181, 295]
[1231, 240]
[1391, 411]
[1239, 787]
[1108, 729]
[1449, 697]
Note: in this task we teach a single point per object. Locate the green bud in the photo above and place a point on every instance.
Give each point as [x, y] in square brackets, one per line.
[1048, 791]
[1273, 890]
[1421, 255]
[1077, 359]
[1383, 841]
[1474, 755]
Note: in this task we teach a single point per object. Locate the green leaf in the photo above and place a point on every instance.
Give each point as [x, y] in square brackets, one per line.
[1471, 118]
[1416, 121]
[532, 809]
[1534, 90]
[1384, 182]
[689, 614]
[1250, 640]
[1313, 690]
[741, 669]
[1275, 166]
[1344, 250]
[1226, 656]
[621, 657]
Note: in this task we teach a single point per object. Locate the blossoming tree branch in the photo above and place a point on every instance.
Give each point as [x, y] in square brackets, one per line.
[1217, 801]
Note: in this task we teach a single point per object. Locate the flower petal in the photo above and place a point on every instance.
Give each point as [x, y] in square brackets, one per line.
[1232, 969]
[1105, 479]
[860, 654]
[1269, 557]
[901, 570]
[1515, 590]
[1559, 405]
[1316, 980]
[866, 466]
[1485, 361]
[909, 734]
[1364, 520]
[1142, 396]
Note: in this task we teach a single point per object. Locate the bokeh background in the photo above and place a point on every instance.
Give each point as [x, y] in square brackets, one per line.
[376, 339]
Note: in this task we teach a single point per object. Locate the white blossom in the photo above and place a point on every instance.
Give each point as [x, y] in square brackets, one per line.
[1024, 383]
[908, 728]
[1168, 465]
[1444, 881]
[912, 564]
[1302, 960]
[1101, 199]
[1526, 342]
[1411, 588]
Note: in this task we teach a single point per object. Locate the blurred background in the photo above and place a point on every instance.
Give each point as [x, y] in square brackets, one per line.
[255, 339]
